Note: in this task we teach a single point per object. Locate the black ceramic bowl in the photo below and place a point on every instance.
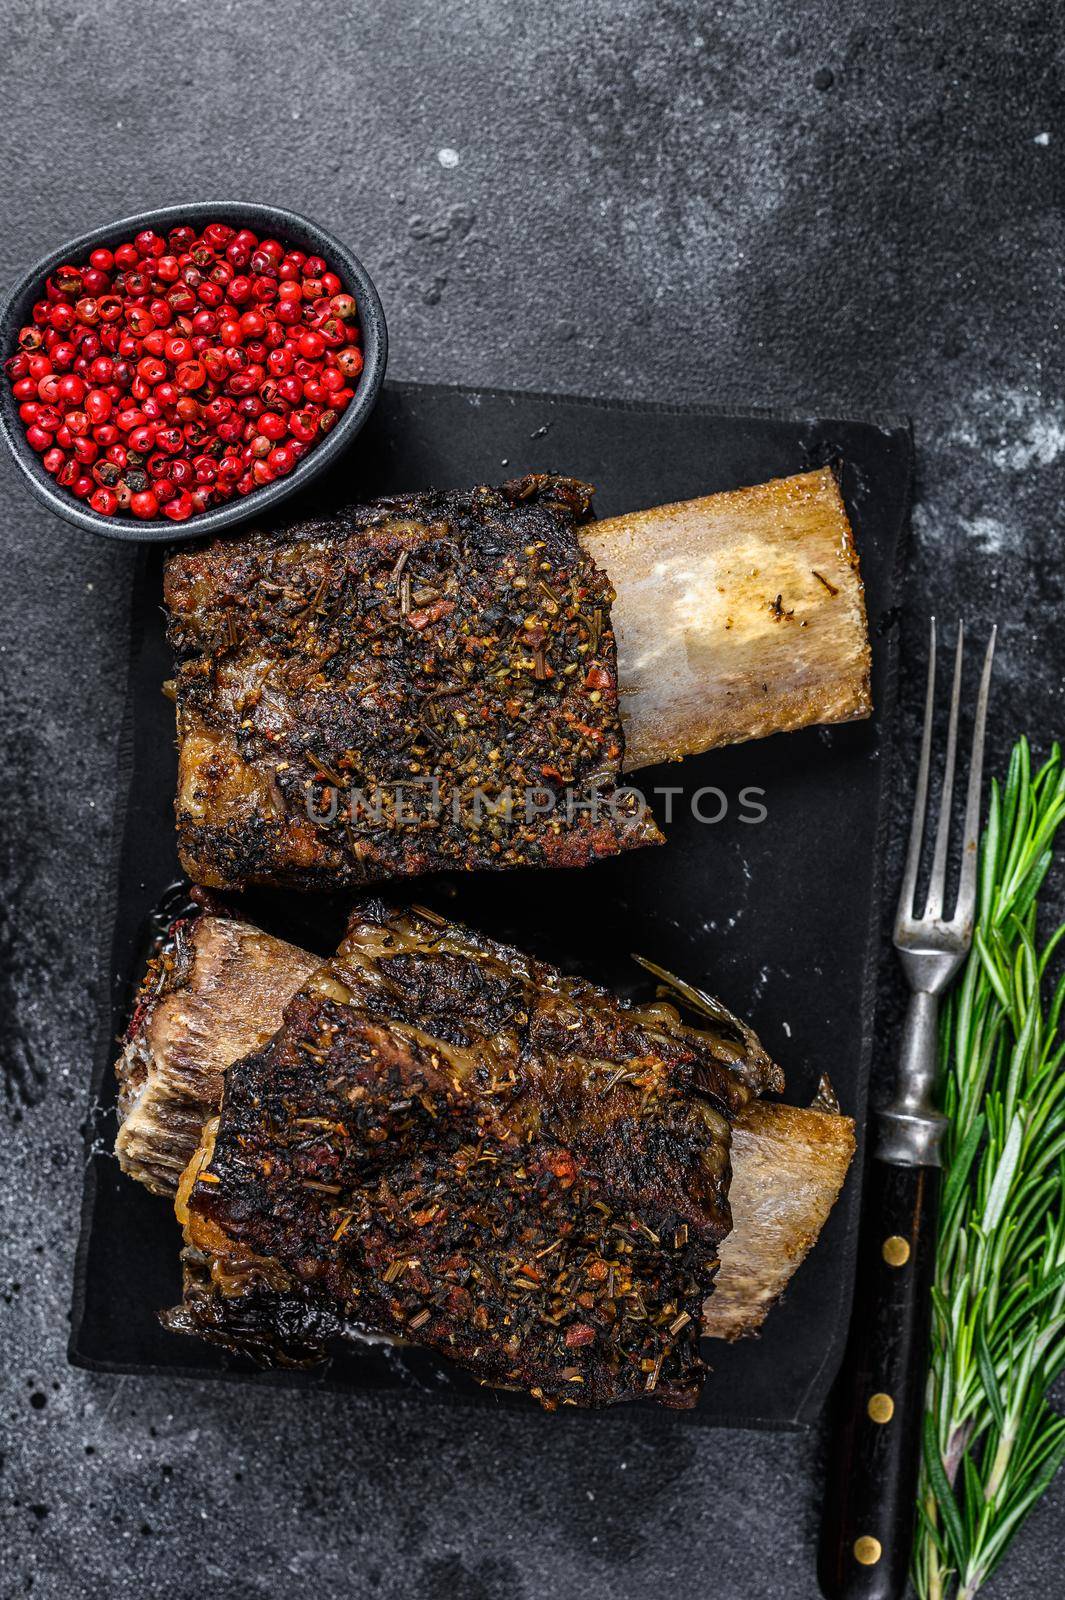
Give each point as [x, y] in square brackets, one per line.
[267, 221]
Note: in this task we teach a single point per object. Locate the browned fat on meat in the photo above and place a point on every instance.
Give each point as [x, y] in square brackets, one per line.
[216, 989]
[219, 991]
[788, 1166]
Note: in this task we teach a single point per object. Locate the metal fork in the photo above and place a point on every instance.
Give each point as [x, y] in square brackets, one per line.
[870, 1497]
[931, 949]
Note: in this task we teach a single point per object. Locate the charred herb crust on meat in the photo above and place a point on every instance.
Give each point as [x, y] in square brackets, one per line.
[358, 697]
[453, 1143]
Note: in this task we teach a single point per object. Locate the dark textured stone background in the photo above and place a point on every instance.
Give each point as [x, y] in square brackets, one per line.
[839, 208]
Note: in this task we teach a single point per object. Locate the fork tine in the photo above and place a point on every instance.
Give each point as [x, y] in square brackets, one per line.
[965, 909]
[933, 910]
[913, 854]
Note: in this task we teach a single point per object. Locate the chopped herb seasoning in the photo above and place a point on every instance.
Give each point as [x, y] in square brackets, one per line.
[450, 1142]
[418, 684]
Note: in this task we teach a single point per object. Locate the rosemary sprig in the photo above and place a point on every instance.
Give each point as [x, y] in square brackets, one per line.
[992, 1443]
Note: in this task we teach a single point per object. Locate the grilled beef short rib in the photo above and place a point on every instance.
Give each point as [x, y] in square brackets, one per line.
[454, 1143]
[422, 683]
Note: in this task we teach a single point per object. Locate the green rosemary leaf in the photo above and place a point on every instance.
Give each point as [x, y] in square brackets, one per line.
[954, 1188]
[991, 969]
[971, 1500]
[946, 1504]
[991, 1443]
[1000, 1188]
[1032, 885]
[1021, 1312]
[1024, 1502]
[989, 1378]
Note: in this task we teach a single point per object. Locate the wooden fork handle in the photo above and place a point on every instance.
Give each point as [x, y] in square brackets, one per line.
[871, 1486]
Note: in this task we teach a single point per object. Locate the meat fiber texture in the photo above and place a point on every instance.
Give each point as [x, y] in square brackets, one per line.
[423, 683]
[450, 1142]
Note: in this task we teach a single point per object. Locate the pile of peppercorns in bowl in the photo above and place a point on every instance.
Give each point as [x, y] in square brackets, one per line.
[184, 369]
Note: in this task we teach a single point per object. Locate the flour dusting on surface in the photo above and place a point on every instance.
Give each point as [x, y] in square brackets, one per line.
[988, 534]
[1018, 430]
[983, 535]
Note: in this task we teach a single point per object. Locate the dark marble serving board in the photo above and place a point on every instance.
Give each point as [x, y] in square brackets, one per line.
[780, 918]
